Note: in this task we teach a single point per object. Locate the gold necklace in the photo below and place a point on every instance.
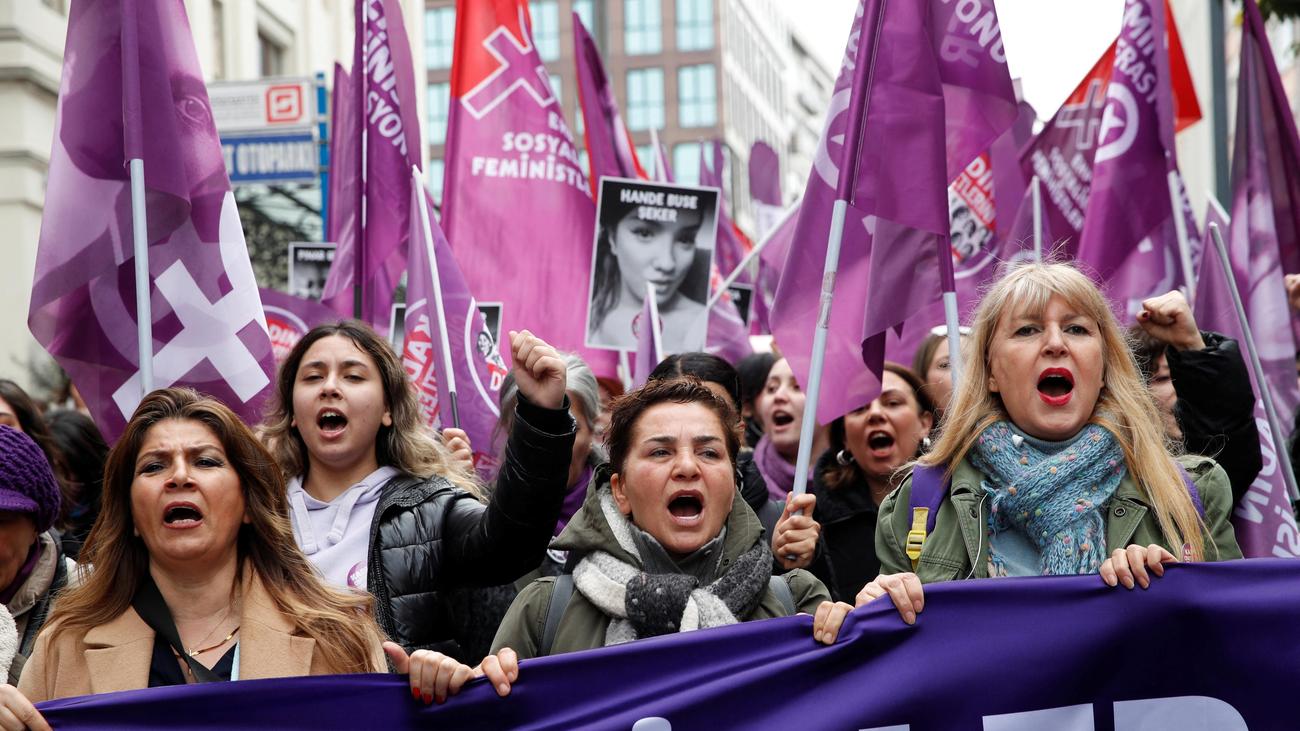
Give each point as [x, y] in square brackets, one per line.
[208, 636]
[200, 651]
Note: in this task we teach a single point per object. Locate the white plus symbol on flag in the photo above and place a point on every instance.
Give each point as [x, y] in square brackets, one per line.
[500, 85]
[1084, 116]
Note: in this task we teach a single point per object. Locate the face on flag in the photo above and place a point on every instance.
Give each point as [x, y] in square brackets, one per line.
[209, 330]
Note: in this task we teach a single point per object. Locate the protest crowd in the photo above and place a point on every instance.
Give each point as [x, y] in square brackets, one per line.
[607, 469]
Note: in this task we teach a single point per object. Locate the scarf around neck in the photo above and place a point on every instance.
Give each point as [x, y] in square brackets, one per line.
[642, 604]
[1050, 494]
[776, 472]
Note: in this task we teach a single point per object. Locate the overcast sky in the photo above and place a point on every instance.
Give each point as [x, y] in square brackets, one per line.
[1050, 44]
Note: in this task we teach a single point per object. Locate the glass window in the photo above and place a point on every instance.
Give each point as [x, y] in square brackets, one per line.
[686, 163]
[433, 177]
[642, 27]
[438, 105]
[697, 96]
[439, 36]
[270, 57]
[585, 11]
[645, 98]
[546, 28]
[694, 25]
[645, 154]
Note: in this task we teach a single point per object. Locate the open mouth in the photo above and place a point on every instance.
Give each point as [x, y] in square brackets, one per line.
[880, 443]
[782, 418]
[686, 506]
[1055, 386]
[331, 421]
[182, 516]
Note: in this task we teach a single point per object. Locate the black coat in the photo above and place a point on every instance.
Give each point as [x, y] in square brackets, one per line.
[848, 537]
[1216, 408]
[428, 538]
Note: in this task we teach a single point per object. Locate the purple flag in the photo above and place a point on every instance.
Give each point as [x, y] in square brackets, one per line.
[649, 339]
[663, 170]
[939, 95]
[209, 331]
[390, 127]
[1264, 522]
[477, 368]
[1213, 654]
[343, 181]
[728, 336]
[1128, 239]
[765, 187]
[610, 153]
[730, 251]
[517, 206]
[288, 318]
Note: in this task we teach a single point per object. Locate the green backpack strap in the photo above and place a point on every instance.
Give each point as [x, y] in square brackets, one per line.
[779, 586]
[560, 594]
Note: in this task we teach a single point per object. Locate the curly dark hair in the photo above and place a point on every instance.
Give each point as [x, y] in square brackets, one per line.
[627, 411]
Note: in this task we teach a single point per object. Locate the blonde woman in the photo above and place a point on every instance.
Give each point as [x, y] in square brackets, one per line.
[1053, 457]
[378, 503]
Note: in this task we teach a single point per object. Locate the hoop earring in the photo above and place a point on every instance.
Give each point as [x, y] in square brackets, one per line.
[844, 458]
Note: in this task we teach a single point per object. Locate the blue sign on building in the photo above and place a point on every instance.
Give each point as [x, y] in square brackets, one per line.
[288, 158]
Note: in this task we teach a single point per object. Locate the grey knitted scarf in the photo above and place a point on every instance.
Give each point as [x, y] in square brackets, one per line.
[641, 604]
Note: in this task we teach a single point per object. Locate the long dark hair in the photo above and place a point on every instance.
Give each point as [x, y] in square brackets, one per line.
[606, 279]
[708, 368]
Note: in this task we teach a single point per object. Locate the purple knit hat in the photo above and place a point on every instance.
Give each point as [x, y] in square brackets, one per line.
[27, 483]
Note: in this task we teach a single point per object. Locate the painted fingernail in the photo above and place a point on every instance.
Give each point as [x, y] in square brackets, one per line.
[415, 693]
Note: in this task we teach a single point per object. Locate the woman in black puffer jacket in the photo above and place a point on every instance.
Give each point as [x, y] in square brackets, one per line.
[378, 501]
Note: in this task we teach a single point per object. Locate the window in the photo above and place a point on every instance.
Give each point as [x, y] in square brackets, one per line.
[642, 27]
[270, 56]
[645, 99]
[439, 36]
[546, 28]
[586, 12]
[645, 154]
[438, 105]
[433, 177]
[697, 96]
[694, 25]
[686, 163]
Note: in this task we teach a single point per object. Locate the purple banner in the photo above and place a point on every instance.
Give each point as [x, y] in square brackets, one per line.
[610, 153]
[288, 318]
[209, 331]
[477, 367]
[517, 206]
[1206, 647]
[342, 211]
[391, 131]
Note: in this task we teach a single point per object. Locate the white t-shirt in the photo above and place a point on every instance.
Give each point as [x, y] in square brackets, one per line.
[335, 535]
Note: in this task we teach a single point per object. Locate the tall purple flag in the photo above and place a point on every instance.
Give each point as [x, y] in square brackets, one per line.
[1129, 238]
[728, 336]
[343, 180]
[730, 251]
[939, 94]
[477, 367]
[209, 331]
[663, 170]
[1264, 522]
[649, 336]
[517, 207]
[609, 145]
[390, 126]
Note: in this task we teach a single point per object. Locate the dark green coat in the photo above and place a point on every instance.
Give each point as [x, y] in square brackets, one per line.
[960, 537]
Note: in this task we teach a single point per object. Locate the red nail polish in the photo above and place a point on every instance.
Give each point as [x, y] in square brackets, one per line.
[415, 693]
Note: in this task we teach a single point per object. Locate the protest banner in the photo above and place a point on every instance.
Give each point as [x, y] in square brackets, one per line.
[289, 318]
[385, 147]
[610, 152]
[656, 234]
[132, 89]
[341, 212]
[649, 338]
[517, 207]
[309, 268]
[1022, 654]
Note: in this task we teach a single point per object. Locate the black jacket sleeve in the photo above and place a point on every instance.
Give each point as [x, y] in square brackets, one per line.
[1216, 408]
[508, 539]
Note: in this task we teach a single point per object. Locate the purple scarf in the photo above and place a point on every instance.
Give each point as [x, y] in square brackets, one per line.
[573, 500]
[776, 472]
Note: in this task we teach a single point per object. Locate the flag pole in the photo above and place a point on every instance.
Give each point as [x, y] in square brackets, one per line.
[658, 175]
[624, 370]
[1265, 390]
[1180, 230]
[656, 333]
[751, 256]
[134, 140]
[448, 373]
[359, 75]
[866, 52]
[1037, 192]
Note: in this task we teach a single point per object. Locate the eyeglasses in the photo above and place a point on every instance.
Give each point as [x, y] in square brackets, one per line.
[942, 330]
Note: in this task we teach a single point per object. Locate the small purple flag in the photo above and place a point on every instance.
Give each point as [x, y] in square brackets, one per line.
[649, 339]
[728, 336]
[209, 330]
[663, 170]
[930, 111]
[477, 368]
[610, 153]
[765, 187]
[289, 318]
[391, 127]
[517, 206]
[1264, 522]
[730, 251]
[343, 181]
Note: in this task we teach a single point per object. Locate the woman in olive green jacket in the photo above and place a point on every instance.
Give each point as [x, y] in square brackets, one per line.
[1054, 455]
